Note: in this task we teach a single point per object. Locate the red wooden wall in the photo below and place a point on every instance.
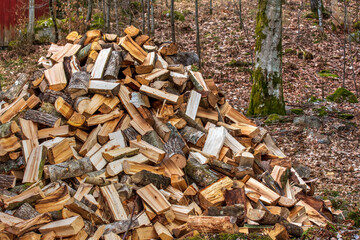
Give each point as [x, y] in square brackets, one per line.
[13, 10]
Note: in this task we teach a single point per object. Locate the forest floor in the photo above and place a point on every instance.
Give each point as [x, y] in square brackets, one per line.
[332, 151]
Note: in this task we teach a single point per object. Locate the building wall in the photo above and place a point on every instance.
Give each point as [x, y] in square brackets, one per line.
[13, 10]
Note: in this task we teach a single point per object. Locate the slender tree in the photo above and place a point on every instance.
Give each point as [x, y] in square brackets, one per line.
[172, 20]
[240, 15]
[267, 90]
[31, 25]
[107, 7]
[344, 46]
[89, 11]
[116, 16]
[143, 15]
[53, 17]
[152, 18]
[197, 31]
[320, 13]
[148, 17]
[211, 7]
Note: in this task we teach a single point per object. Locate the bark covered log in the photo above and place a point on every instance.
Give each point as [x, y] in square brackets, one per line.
[16, 88]
[42, 118]
[173, 147]
[79, 83]
[69, 169]
[11, 165]
[51, 96]
[200, 173]
[113, 67]
[144, 178]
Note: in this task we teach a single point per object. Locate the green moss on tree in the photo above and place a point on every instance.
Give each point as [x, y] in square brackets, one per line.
[342, 95]
[321, 111]
[297, 111]
[261, 22]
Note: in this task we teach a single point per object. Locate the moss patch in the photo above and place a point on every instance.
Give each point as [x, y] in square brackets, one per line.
[357, 25]
[355, 216]
[314, 99]
[297, 111]
[273, 118]
[342, 95]
[321, 111]
[327, 73]
[346, 116]
[236, 63]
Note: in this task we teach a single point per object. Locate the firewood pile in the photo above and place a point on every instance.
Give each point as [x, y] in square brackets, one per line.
[116, 137]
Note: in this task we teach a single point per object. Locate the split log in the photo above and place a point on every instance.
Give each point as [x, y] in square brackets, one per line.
[12, 110]
[32, 101]
[81, 104]
[113, 67]
[133, 48]
[54, 201]
[7, 181]
[200, 173]
[160, 95]
[96, 101]
[162, 231]
[214, 193]
[30, 224]
[107, 128]
[68, 169]
[173, 148]
[236, 210]
[148, 65]
[112, 155]
[26, 211]
[113, 200]
[267, 195]
[144, 177]
[102, 118]
[191, 122]
[114, 168]
[42, 118]
[211, 224]
[51, 96]
[230, 170]
[154, 139]
[84, 211]
[215, 141]
[100, 63]
[228, 111]
[34, 167]
[131, 168]
[154, 198]
[10, 165]
[193, 136]
[104, 88]
[90, 141]
[13, 92]
[71, 66]
[63, 108]
[154, 154]
[161, 128]
[78, 85]
[64, 228]
[56, 77]
[193, 104]
[121, 226]
[109, 104]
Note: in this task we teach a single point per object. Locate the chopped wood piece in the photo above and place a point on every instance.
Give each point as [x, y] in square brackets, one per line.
[174, 150]
[13, 110]
[55, 77]
[102, 118]
[32, 101]
[162, 232]
[132, 31]
[30, 236]
[214, 193]
[193, 104]
[161, 95]
[26, 211]
[53, 132]
[109, 104]
[106, 129]
[113, 200]
[64, 228]
[154, 154]
[118, 153]
[114, 168]
[133, 48]
[84, 211]
[214, 141]
[131, 83]
[60, 152]
[210, 114]
[54, 201]
[7, 181]
[104, 88]
[111, 236]
[200, 173]
[267, 195]
[34, 167]
[113, 67]
[76, 120]
[154, 198]
[96, 101]
[193, 136]
[78, 84]
[148, 64]
[81, 103]
[100, 63]
[69, 169]
[131, 168]
[97, 159]
[90, 141]
[14, 91]
[279, 232]
[235, 116]
[212, 224]
[145, 177]
[42, 118]
[29, 225]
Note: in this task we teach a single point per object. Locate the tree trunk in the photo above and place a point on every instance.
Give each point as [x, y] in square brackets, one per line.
[143, 15]
[172, 21]
[107, 7]
[148, 17]
[116, 16]
[320, 13]
[89, 12]
[344, 47]
[197, 31]
[240, 15]
[152, 18]
[53, 16]
[211, 7]
[267, 90]
[31, 25]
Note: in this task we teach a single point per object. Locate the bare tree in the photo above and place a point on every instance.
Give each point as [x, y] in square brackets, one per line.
[240, 15]
[53, 17]
[197, 31]
[31, 25]
[344, 46]
[116, 16]
[89, 11]
[148, 17]
[211, 7]
[152, 18]
[107, 22]
[320, 13]
[172, 20]
[143, 15]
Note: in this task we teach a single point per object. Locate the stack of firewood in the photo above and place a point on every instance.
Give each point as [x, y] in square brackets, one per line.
[115, 137]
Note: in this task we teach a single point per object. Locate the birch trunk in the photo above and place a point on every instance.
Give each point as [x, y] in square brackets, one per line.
[31, 25]
[267, 90]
